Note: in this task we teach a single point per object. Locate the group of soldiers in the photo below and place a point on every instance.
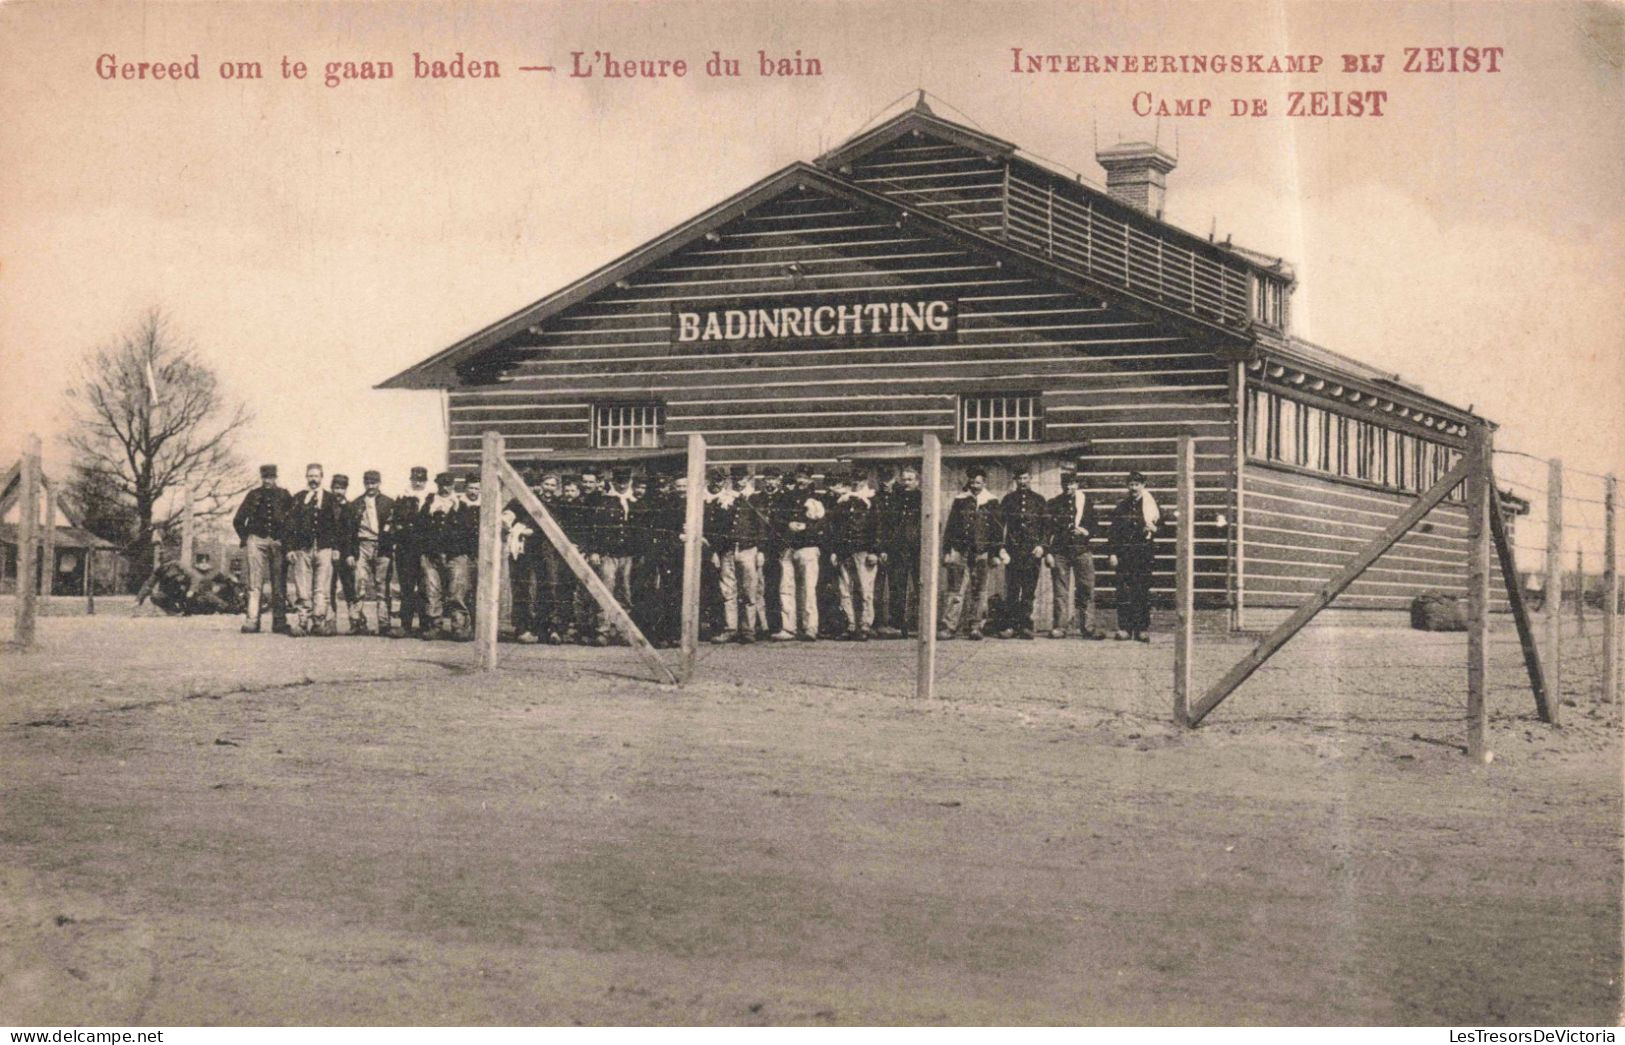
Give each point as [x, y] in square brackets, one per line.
[785, 555]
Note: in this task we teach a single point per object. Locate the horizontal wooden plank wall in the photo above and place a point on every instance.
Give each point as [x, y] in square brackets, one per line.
[945, 181]
[1300, 529]
[1125, 385]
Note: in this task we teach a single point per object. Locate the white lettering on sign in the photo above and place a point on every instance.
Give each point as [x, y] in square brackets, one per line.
[853, 320]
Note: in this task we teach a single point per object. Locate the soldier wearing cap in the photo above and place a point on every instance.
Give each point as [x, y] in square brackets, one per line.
[852, 552]
[803, 515]
[438, 539]
[402, 542]
[367, 557]
[1073, 524]
[898, 526]
[574, 604]
[521, 540]
[1026, 524]
[615, 543]
[974, 539]
[1133, 550]
[258, 523]
[463, 590]
[312, 532]
[343, 573]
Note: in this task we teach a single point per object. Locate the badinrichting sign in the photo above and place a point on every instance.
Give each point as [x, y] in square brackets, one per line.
[817, 323]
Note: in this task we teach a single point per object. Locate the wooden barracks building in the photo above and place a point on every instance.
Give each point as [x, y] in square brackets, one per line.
[927, 277]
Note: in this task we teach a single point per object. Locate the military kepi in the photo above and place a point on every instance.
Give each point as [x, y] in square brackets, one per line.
[267, 471]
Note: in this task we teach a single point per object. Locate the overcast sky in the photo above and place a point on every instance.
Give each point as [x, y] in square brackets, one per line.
[314, 241]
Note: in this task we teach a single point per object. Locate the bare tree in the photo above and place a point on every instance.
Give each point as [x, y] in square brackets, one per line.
[146, 417]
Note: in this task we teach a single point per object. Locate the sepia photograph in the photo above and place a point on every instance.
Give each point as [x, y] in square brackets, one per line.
[885, 514]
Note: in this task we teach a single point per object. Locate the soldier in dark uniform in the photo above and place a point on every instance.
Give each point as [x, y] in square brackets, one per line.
[258, 523]
[367, 534]
[615, 544]
[1073, 524]
[1026, 521]
[803, 517]
[405, 549]
[1133, 546]
[585, 536]
[463, 593]
[343, 564]
[438, 540]
[312, 532]
[852, 543]
[770, 497]
[522, 553]
[899, 542]
[974, 540]
[660, 520]
[567, 513]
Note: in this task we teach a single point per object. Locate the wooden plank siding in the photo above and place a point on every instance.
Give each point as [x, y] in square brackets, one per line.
[1300, 529]
[1124, 385]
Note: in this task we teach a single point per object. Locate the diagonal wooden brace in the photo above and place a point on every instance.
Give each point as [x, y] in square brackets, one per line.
[1520, 611]
[1272, 643]
[594, 584]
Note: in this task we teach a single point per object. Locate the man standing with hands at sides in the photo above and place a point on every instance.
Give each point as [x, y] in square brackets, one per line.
[404, 545]
[343, 576]
[899, 541]
[1025, 533]
[1073, 522]
[804, 525]
[615, 545]
[312, 533]
[367, 555]
[1133, 545]
[974, 539]
[258, 523]
[438, 539]
[852, 552]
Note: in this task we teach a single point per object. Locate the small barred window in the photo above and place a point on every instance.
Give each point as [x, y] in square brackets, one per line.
[1000, 418]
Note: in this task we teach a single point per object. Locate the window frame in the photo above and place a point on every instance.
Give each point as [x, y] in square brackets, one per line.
[642, 430]
[1012, 422]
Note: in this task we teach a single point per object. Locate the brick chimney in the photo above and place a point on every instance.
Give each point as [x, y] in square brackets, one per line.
[1137, 174]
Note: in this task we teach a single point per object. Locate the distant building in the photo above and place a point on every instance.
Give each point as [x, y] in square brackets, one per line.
[72, 548]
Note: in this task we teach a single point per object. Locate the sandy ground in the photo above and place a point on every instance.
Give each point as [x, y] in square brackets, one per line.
[202, 827]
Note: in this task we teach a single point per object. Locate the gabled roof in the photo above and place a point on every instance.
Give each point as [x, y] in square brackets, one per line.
[919, 118]
[438, 370]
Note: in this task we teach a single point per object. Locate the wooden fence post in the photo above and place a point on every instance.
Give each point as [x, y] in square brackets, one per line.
[1479, 497]
[1610, 592]
[488, 589]
[90, 581]
[27, 536]
[1552, 658]
[693, 549]
[925, 669]
[47, 573]
[1184, 577]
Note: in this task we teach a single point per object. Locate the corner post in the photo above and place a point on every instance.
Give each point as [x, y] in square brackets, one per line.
[693, 541]
[1553, 610]
[1479, 493]
[488, 590]
[27, 536]
[1610, 592]
[1184, 577]
[925, 670]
